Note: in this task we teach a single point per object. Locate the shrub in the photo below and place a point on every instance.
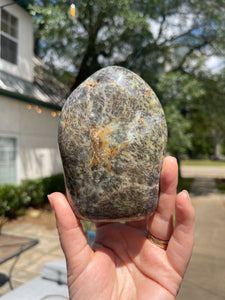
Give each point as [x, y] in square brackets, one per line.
[9, 200]
[53, 184]
[32, 192]
[14, 199]
[220, 184]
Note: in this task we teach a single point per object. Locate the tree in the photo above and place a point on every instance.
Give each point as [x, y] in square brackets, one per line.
[195, 109]
[147, 36]
[103, 34]
[166, 42]
[179, 94]
[208, 120]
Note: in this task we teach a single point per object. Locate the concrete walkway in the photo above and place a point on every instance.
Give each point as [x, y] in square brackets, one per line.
[203, 186]
[205, 277]
[31, 261]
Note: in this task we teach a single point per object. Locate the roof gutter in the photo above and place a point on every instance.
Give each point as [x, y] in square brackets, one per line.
[28, 99]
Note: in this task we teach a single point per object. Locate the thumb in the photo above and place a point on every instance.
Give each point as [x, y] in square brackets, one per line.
[71, 234]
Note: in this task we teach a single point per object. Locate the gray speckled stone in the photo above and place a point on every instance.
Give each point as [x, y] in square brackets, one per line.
[112, 139]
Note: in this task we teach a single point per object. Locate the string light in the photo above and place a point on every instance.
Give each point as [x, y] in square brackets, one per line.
[72, 11]
[39, 110]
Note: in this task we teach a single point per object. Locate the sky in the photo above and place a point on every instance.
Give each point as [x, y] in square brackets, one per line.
[215, 64]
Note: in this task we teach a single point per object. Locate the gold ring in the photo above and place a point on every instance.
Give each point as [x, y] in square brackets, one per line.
[158, 242]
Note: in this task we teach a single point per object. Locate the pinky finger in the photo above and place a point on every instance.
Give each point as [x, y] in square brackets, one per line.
[182, 240]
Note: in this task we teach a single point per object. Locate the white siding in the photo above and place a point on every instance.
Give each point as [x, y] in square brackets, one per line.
[24, 68]
[36, 133]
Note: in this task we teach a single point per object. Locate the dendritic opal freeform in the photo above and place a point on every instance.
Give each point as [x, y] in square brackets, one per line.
[112, 139]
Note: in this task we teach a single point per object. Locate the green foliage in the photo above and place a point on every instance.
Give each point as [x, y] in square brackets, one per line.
[52, 184]
[10, 200]
[147, 36]
[208, 122]
[32, 192]
[179, 139]
[220, 184]
[166, 42]
[195, 107]
[14, 199]
[179, 93]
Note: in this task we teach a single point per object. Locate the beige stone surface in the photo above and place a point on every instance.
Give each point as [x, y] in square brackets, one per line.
[205, 277]
[30, 262]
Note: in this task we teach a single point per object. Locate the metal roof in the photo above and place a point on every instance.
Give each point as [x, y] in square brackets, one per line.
[23, 3]
[45, 89]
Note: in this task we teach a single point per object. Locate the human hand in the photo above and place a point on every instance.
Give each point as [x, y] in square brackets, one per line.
[125, 263]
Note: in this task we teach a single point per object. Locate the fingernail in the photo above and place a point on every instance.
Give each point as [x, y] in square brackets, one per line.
[186, 194]
[170, 159]
[50, 201]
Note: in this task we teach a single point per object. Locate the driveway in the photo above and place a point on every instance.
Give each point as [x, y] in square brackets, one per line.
[205, 277]
[203, 171]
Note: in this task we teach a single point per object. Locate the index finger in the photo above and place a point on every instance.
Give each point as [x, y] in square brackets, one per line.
[72, 237]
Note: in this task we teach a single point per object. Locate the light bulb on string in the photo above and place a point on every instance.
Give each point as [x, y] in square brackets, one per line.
[73, 13]
[38, 109]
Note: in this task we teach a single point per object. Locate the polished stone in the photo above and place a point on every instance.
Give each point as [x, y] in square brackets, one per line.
[112, 139]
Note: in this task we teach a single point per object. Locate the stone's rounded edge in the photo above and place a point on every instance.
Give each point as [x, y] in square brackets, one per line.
[126, 79]
[102, 220]
[77, 100]
[113, 220]
[147, 208]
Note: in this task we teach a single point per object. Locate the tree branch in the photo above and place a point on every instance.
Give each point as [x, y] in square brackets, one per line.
[187, 54]
[161, 26]
[174, 38]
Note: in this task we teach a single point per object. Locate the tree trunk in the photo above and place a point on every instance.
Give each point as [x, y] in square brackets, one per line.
[179, 166]
[83, 72]
[217, 150]
[218, 139]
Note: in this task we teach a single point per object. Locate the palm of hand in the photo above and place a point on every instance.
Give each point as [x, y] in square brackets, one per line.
[124, 263]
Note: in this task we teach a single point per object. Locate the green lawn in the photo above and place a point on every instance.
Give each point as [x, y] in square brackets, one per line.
[206, 163]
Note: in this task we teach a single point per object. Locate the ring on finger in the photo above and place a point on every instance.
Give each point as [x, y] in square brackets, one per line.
[163, 244]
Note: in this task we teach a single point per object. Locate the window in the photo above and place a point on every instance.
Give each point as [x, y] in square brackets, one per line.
[8, 159]
[9, 37]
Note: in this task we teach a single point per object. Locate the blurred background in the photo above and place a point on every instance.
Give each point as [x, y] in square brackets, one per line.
[48, 47]
[176, 46]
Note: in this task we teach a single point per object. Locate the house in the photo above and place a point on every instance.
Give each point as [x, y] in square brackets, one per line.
[30, 101]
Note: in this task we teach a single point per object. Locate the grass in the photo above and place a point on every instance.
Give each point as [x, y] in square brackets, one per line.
[184, 184]
[203, 162]
[220, 183]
